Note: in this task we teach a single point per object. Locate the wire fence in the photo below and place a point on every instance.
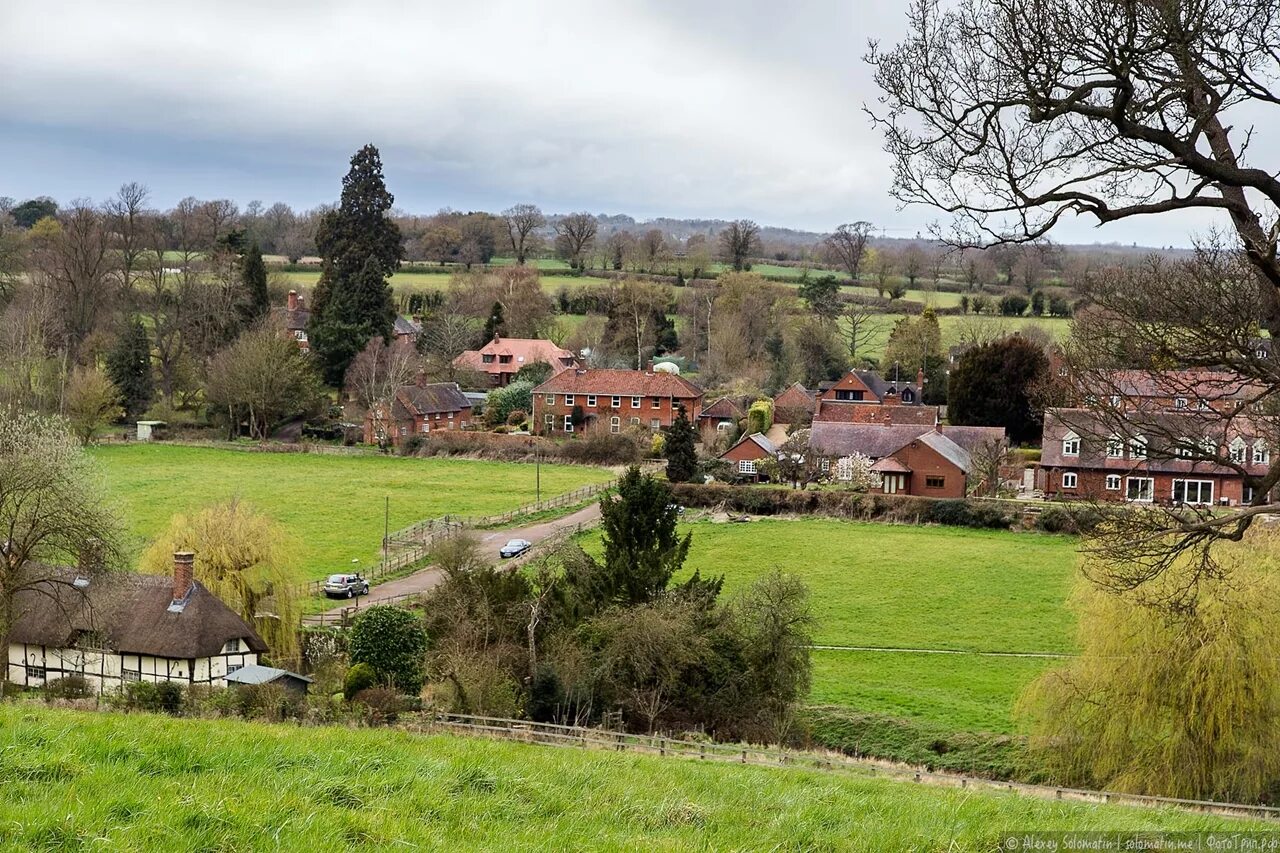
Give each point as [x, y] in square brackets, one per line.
[548, 734]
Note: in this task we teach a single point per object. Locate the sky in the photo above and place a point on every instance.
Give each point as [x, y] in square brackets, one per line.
[694, 109]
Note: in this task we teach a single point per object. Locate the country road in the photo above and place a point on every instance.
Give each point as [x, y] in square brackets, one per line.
[491, 541]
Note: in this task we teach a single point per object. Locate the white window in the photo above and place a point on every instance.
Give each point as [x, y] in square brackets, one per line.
[615, 403]
[655, 424]
[568, 399]
[635, 402]
[1261, 455]
[426, 427]
[549, 399]
[746, 466]
[1113, 482]
[635, 422]
[39, 671]
[1140, 489]
[1069, 480]
[1260, 353]
[591, 401]
[1115, 401]
[1193, 491]
[655, 402]
[1237, 450]
[233, 667]
[568, 423]
[549, 419]
[231, 646]
[1115, 447]
[1138, 447]
[404, 430]
[1186, 448]
[1071, 445]
[1062, 371]
[1180, 402]
[615, 425]
[1209, 448]
[1203, 405]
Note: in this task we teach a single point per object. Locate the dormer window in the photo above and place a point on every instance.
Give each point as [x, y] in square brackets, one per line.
[1115, 447]
[1203, 405]
[1261, 454]
[1237, 451]
[1186, 448]
[1071, 445]
[1260, 353]
[908, 396]
[1180, 402]
[232, 647]
[487, 358]
[1138, 447]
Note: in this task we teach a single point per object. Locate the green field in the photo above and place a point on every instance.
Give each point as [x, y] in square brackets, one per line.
[954, 327]
[84, 780]
[332, 504]
[911, 587]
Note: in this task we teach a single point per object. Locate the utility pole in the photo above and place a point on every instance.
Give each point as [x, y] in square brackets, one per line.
[537, 467]
[386, 530]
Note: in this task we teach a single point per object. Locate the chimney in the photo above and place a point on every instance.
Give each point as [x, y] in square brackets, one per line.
[920, 380]
[183, 573]
[293, 300]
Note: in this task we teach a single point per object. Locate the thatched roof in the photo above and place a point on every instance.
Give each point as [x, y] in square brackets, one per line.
[127, 613]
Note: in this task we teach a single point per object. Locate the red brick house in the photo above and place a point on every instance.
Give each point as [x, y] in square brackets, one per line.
[502, 358]
[794, 404]
[745, 456]
[720, 417]
[1167, 458]
[612, 399]
[418, 409]
[295, 316]
[864, 397]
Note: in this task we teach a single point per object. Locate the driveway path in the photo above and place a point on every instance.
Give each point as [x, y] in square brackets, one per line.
[491, 541]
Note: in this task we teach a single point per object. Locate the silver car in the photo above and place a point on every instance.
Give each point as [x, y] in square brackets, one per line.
[346, 586]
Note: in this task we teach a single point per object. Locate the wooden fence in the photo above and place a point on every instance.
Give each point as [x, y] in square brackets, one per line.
[405, 556]
[547, 734]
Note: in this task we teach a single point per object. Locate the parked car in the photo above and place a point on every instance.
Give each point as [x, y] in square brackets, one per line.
[515, 548]
[346, 586]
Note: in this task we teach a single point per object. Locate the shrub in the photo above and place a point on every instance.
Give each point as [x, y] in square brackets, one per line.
[1064, 519]
[599, 447]
[68, 687]
[382, 704]
[392, 641]
[359, 677]
[1013, 305]
[162, 696]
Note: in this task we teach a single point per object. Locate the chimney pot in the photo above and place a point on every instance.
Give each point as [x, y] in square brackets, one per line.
[293, 300]
[183, 573]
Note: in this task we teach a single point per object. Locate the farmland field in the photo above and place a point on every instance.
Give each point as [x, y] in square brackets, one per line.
[911, 587]
[954, 324]
[80, 780]
[332, 504]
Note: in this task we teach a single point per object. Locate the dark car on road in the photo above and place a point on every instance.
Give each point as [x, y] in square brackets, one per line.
[515, 548]
[346, 586]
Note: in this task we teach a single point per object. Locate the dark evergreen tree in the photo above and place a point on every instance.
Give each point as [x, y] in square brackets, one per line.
[129, 366]
[680, 450]
[496, 324]
[994, 384]
[256, 302]
[360, 246]
[665, 339]
[641, 548]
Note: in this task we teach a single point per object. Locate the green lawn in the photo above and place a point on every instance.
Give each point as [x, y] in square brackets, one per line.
[919, 587]
[333, 504]
[84, 780]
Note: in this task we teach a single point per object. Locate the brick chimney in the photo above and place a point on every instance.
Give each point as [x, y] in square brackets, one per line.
[183, 573]
[920, 380]
[293, 300]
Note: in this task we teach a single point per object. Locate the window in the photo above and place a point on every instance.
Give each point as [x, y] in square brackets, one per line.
[615, 425]
[549, 399]
[1138, 447]
[1261, 455]
[131, 674]
[233, 667]
[1186, 448]
[1140, 489]
[746, 466]
[1203, 405]
[426, 427]
[1113, 482]
[935, 482]
[1115, 447]
[848, 395]
[549, 419]
[1090, 400]
[655, 424]
[568, 423]
[655, 402]
[1180, 402]
[1115, 401]
[504, 359]
[615, 403]
[568, 399]
[1260, 353]
[1237, 451]
[35, 672]
[635, 402]
[231, 647]
[1062, 371]
[487, 358]
[591, 401]
[404, 430]
[907, 396]
[635, 422]
[723, 426]
[1193, 491]
[1069, 480]
[451, 416]
[1071, 445]
[1248, 495]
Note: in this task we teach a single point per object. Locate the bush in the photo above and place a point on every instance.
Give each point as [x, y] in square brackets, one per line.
[382, 704]
[1013, 305]
[359, 677]
[599, 447]
[157, 697]
[393, 641]
[1064, 519]
[68, 687]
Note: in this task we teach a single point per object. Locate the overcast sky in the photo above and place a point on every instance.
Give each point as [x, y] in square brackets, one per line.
[710, 108]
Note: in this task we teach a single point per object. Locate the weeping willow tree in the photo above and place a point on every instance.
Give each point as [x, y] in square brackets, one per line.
[247, 560]
[1182, 703]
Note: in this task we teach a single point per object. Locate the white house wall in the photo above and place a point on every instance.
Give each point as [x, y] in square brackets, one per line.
[106, 670]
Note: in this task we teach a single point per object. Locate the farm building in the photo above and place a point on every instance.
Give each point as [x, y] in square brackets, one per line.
[114, 628]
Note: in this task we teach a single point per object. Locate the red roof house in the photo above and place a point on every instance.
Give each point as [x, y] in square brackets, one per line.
[502, 358]
[575, 400]
[418, 409]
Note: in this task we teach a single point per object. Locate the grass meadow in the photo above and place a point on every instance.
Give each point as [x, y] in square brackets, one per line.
[333, 505]
[910, 587]
[85, 780]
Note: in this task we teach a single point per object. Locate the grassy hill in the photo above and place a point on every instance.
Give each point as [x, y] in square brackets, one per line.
[332, 504]
[77, 780]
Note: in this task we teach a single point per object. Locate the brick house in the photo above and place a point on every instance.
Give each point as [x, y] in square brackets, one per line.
[931, 465]
[294, 317]
[921, 462]
[502, 358]
[861, 396]
[406, 330]
[745, 456]
[612, 399]
[1168, 458]
[795, 404]
[418, 409]
[111, 629]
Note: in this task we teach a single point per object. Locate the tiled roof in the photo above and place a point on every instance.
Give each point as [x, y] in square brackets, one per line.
[622, 383]
[405, 326]
[432, 398]
[522, 351]
[722, 409]
[878, 441]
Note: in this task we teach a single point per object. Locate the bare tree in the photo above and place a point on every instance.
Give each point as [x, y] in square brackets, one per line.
[738, 241]
[126, 214]
[847, 246]
[637, 302]
[76, 267]
[375, 376]
[523, 220]
[446, 335]
[576, 233]
[221, 216]
[863, 327]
